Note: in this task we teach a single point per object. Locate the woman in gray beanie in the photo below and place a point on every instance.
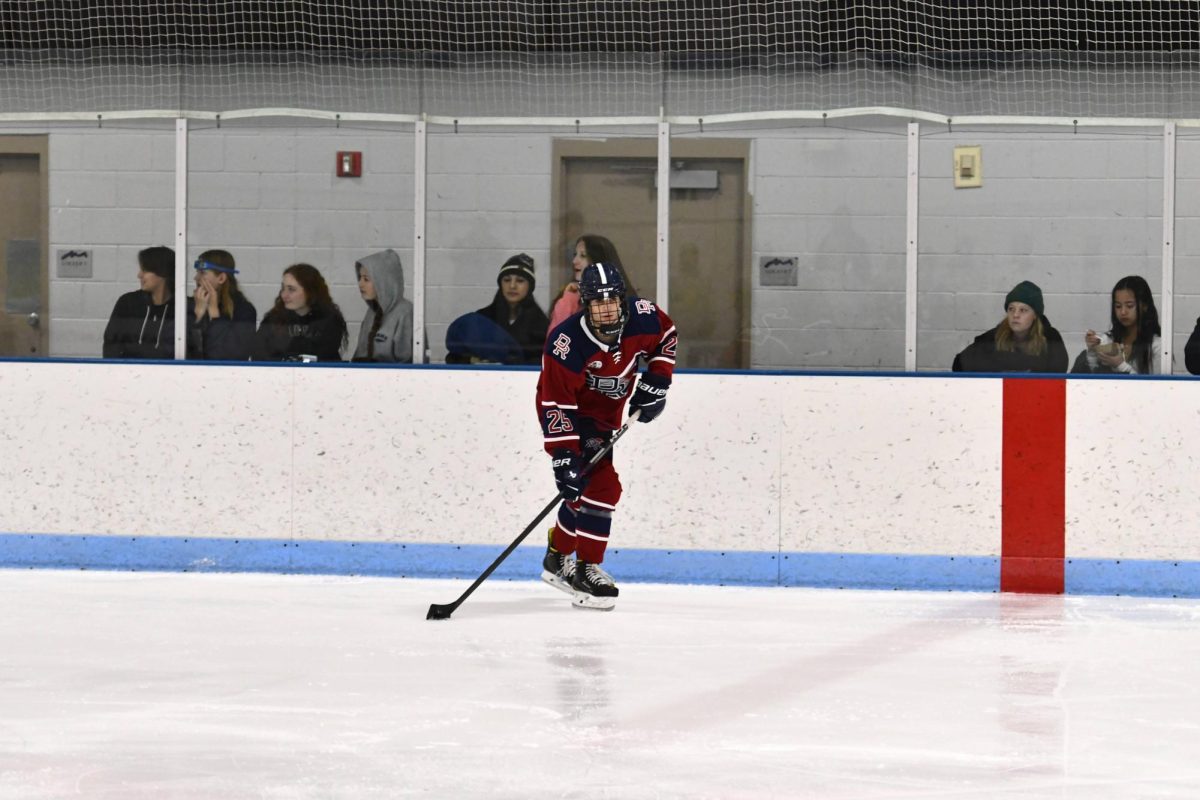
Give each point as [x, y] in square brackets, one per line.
[1024, 341]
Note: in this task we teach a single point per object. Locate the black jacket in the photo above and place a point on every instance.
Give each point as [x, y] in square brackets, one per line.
[529, 328]
[981, 355]
[285, 336]
[223, 338]
[140, 329]
[1191, 351]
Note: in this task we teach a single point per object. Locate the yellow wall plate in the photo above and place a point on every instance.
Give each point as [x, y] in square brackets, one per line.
[968, 166]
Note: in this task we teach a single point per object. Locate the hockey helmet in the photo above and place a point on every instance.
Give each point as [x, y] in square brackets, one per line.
[603, 282]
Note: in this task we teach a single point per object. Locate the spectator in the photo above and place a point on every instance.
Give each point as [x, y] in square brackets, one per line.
[387, 329]
[1024, 341]
[512, 330]
[1191, 351]
[1133, 343]
[221, 327]
[142, 324]
[589, 249]
[304, 324]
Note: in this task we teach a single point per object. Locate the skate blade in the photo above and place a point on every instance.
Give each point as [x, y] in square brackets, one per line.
[557, 582]
[593, 603]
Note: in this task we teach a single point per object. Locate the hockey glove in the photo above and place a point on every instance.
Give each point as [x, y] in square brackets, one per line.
[650, 397]
[568, 474]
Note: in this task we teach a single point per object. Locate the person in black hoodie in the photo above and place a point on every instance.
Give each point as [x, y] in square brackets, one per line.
[1024, 341]
[142, 324]
[1191, 351]
[221, 326]
[512, 330]
[304, 324]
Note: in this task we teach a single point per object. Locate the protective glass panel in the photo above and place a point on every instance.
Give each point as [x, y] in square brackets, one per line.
[1186, 313]
[112, 196]
[709, 249]
[527, 197]
[269, 199]
[23, 292]
[607, 210]
[818, 247]
[1057, 222]
[487, 202]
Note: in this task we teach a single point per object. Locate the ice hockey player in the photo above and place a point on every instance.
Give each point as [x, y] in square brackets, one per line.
[589, 369]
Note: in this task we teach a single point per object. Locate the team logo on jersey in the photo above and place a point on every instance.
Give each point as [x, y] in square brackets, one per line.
[612, 387]
[562, 346]
[644, 306]
[595, 365]
[617, 357]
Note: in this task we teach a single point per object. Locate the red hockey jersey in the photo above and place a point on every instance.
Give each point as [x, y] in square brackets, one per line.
[584, 377]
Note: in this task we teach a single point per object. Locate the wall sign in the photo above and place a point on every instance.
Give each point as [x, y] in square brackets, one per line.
[74, 263]
[777, 271]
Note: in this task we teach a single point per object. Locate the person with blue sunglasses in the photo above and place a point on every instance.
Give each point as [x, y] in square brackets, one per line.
[222, 324]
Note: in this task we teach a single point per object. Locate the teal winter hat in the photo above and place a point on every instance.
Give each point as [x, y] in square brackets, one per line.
[1026, 292]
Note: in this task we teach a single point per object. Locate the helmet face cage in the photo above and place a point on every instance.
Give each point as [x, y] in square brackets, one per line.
[602, 282]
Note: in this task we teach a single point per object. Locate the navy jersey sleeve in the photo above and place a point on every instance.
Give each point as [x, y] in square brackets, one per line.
[559, 386]
[656, 336]
[662, 358]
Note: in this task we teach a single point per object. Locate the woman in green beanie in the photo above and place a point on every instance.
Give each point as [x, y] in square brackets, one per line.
[1024, 341]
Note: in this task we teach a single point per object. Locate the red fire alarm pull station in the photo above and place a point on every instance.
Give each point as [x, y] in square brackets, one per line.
[349, 164]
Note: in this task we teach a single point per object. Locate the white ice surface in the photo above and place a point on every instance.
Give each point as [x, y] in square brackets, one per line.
[124, 685]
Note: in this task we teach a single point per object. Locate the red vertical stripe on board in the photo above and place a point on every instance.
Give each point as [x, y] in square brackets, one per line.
[1033, 486]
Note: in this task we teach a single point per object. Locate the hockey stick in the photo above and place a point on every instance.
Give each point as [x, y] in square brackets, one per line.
[437, 611]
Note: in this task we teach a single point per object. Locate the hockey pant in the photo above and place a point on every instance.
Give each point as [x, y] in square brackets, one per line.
[582, 527]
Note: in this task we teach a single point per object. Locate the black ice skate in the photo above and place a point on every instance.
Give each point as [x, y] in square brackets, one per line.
[594, 588]
[558, 570]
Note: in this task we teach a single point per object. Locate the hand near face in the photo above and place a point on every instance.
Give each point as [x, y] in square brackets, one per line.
[212, 283]
[214, 309]
[200, 301]
[206, 301]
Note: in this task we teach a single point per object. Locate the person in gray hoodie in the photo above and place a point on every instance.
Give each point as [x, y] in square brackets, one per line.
[386, 333]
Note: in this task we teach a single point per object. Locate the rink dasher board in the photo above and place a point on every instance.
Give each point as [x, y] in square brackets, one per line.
[884, 479]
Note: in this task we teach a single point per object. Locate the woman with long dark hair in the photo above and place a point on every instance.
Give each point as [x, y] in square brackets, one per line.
[1133, 343]
[512, 330]
[589, 249]
[304, 324]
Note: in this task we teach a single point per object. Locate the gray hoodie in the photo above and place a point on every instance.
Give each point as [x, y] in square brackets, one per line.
[393, 339]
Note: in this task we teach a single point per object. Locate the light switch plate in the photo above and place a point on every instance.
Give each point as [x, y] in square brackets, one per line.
[968, 166]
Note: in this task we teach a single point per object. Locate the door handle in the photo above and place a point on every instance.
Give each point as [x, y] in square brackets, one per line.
[34, 320]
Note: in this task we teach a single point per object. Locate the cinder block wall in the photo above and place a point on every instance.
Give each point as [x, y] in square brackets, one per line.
[1074, 213]
[1071, 211]
[835, 200]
